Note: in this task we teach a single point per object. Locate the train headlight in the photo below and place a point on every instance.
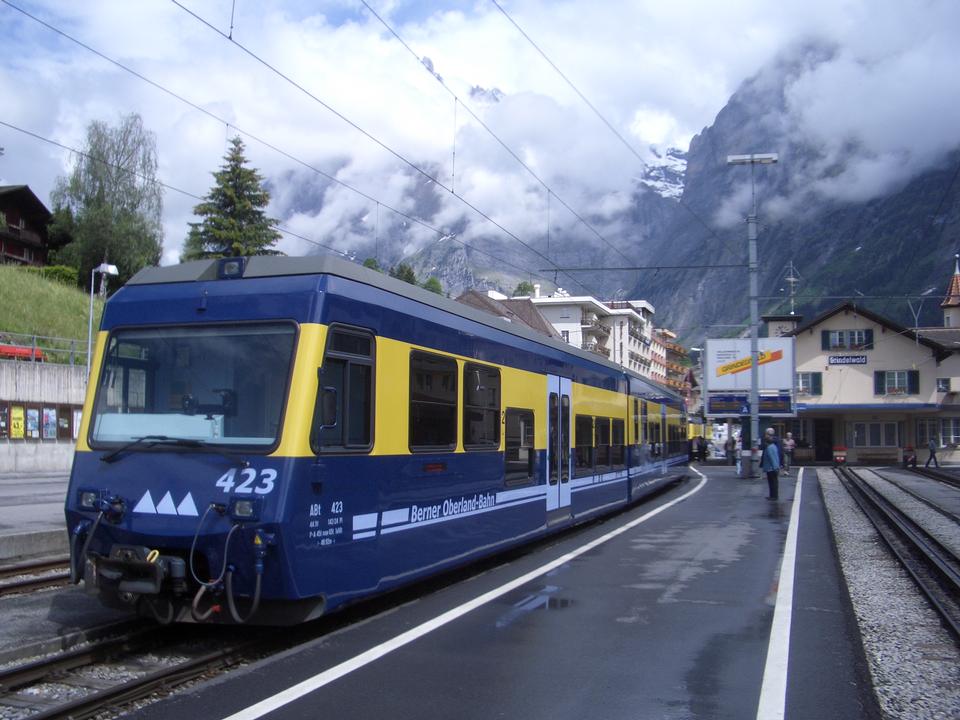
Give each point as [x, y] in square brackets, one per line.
[88, 499]
[244, 509]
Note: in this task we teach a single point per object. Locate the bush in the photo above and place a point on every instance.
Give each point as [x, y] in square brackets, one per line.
[58, 273]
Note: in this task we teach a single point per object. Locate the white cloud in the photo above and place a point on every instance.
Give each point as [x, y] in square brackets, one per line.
[658, 71]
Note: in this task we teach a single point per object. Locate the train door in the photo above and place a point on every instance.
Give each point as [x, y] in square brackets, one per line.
[558, 448]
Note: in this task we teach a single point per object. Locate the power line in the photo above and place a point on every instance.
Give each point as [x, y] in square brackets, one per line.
[600, 115]
[365, 133]
[154, 181]
[649, 267]
[441, 233]
[492, 134]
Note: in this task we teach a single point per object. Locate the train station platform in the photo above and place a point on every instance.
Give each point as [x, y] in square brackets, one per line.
[708, 601]
[32, 522]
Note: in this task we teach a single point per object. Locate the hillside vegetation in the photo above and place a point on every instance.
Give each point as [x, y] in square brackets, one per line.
[32, 305]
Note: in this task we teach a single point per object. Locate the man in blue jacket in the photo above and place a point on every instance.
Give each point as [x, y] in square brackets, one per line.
[770, 462]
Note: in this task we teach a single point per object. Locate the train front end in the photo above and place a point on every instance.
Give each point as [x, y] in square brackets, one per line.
[175, 504]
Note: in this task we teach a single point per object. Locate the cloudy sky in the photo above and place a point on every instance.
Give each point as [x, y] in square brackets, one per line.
[658, 71]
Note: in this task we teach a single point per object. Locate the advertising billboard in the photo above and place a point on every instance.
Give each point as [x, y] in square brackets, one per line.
[726, 373]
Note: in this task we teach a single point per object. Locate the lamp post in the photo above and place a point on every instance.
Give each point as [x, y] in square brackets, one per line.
[103, 269]
[753, 160]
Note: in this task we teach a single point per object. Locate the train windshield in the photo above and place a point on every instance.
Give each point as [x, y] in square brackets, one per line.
[222, 385]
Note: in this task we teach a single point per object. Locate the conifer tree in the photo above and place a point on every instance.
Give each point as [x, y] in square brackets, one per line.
[233, 220]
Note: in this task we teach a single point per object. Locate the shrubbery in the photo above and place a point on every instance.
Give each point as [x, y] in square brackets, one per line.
[58, 273]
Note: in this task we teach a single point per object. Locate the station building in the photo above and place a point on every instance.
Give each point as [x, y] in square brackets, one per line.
[874, 387]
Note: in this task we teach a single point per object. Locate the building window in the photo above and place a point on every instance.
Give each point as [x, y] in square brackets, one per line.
[847, 339]
[896, 382]
[481, 407]
[950, 431]
[433, 402]
[346, 387]
[565, 334]
[809, 383]
[943, 385]
[873, 434]
[519, 453]
[927, 430]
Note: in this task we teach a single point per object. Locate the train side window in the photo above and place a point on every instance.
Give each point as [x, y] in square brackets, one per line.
[481, 407]
[617, 445]
[343, 413]
[602, 426]
[519, 456]
[583, 429]
[433, 402]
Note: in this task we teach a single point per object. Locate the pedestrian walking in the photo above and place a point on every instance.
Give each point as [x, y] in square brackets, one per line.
[702, 447]
[788, 445]
[932, 446]
[730, 448]
[770, 463]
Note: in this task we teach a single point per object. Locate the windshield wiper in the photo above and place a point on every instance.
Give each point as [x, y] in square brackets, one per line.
[149, 441]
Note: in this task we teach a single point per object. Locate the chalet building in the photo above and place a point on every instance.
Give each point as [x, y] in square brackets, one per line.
[23, 227]
[875, 387]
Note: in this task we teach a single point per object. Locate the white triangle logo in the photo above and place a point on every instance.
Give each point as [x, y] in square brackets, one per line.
[145, 505]
[187, 506]
[166, 506]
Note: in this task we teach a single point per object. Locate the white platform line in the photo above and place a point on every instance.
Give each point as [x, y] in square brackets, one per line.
[773, 692]
[326, 677]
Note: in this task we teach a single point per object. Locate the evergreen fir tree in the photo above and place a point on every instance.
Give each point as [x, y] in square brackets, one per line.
[233, 220]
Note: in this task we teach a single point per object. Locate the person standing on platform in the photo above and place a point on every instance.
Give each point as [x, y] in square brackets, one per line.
[932, 446]
[770, 463]
[788, 445]
[730, 448]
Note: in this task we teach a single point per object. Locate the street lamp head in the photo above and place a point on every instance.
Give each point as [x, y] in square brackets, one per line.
[106, 269]
[753, 159]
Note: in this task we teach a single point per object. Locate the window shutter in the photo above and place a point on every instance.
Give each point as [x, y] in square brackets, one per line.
[879, 382]
[816, 383]
[913, 382]
[868, 339]
[824, 339]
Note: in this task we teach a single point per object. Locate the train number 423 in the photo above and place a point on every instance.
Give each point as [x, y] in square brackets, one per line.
[250, 481]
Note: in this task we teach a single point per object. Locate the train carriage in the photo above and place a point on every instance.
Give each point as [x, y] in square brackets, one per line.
[267, 439]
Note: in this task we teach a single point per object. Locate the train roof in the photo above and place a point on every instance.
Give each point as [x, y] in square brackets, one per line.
[264, 266]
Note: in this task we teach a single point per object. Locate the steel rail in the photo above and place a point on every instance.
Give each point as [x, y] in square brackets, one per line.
[934, 569]
[920, 498]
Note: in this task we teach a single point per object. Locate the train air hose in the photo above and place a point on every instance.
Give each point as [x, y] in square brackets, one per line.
[76, 561]
[204, 586]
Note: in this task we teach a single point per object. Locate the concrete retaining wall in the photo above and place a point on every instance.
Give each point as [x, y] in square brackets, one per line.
[42, 382]
[39, 383]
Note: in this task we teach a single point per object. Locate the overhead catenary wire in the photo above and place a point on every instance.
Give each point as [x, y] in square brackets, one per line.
[596, 112]
[413, 166]
[160, 183]
[442, 234]
[492, 134]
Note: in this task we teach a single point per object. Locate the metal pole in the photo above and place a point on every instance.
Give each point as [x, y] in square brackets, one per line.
[754, 351]
[90, 326]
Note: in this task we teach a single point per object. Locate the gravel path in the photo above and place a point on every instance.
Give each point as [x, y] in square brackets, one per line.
[914, 662]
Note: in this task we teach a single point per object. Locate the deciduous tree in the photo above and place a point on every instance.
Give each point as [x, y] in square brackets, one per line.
[110, 203]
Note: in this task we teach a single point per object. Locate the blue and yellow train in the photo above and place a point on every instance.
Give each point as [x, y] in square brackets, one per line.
[268, 439]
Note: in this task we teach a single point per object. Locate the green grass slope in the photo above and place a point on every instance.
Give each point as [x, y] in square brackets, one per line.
[31, 305]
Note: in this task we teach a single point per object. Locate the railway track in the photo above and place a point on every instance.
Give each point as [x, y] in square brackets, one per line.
[33, 575]
[933, 567]
[118, 670]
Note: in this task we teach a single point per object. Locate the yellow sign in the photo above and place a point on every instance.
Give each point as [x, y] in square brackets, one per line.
[742, 364]
[16, 422]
